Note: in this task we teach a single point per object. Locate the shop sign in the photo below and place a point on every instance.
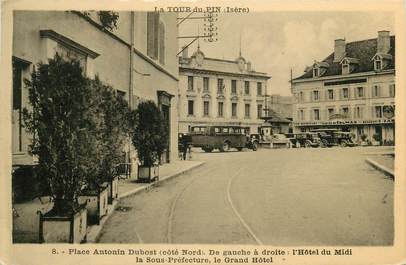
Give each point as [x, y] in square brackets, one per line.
[348, 122]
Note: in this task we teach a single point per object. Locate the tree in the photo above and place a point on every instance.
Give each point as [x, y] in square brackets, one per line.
[149, 133]
[112, 131]
[62, 122]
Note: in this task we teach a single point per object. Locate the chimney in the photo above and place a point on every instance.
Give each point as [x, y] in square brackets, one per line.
[339, 49]
[185, 52]
[383, 41]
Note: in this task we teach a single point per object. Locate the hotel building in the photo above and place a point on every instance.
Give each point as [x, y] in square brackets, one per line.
[220, 92]
[352, 89]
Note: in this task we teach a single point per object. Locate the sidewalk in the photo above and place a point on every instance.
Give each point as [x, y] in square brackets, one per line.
[26, 219]
[383, 161]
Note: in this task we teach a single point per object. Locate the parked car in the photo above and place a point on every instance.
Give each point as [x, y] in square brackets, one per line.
[222, 138]
[280, 140]
[334, 137]
[306, 139]
[344, 138]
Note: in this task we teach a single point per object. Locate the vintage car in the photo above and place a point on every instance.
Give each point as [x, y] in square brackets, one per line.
[334, 137]
[222, 138]
[305, 139]
[344, 138]
[280, 140]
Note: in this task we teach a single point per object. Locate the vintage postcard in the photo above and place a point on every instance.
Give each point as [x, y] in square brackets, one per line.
[203, 132]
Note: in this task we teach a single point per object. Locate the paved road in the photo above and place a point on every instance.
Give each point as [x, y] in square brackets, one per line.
[280, 197]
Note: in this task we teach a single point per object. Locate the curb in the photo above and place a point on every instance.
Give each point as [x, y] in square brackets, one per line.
[380, 167]
[93, 233]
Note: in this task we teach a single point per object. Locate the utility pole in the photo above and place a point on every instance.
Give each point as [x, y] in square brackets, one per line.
[210, 28]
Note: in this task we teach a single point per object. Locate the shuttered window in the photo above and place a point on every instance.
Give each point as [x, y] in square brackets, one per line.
[161, 43]
[152, 34]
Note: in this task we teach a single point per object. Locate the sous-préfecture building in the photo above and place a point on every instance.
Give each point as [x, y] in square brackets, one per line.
[220, 92]
[353, 89]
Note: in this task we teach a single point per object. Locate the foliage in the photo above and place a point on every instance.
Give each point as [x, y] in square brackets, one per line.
[62, 124]
[363, 137]
[149, 134]
[108, 19]
[112, 119]
[376, 137]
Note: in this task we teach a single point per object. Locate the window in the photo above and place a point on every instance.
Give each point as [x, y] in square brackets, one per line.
[247, 87]
[259, 110]
[233, 86]
[345, 69]
[376, 91]
[190, 83]
[234, 110]
[301, 96]
[220, 109]
[259, 89]
[378, 111]
[206, 87]
[316, 72]
[345, 112]
[220, 86]
[316, 114]
[358, 112]
[392, 90]
[206, 105]
[247, 110]
[345, 92]
[301, 115]
[330, 93]
[330, 113]
[378, 65]
[152, 34]
[161, 43]
[69, 54]
[360, 92]
[190, 106]
[17, 121]
[316, 95]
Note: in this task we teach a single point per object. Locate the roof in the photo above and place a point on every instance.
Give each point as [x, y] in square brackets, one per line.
[274, 117]
[363, 51]
[218, 65]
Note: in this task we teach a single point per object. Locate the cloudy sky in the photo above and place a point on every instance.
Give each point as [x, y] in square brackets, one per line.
[275, 42]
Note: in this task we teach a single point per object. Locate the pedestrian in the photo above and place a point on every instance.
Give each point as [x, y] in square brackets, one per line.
[184, 146]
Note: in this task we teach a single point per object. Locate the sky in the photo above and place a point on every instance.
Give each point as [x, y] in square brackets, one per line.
[275, 42]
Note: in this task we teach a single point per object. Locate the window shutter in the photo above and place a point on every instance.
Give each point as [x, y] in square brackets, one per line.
[152, 34]
[161, 43]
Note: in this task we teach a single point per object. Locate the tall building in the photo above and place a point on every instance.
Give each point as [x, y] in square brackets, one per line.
[137, 58]
[220, 92]
[283, 105]
[352, 89]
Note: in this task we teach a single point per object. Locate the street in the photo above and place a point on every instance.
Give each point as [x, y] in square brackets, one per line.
[285, 197]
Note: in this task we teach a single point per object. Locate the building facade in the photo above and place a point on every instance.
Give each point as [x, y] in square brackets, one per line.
[137, 58]
[283, 105]
[220, 92]
[353, 89]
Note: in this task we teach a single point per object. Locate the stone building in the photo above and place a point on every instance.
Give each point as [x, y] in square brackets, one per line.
[283, 105]
[220, 92]
[352, 89]
[137, 58]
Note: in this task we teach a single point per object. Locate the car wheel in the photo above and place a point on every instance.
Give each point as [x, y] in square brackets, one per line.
[225, 147]
[308, 145]
[344, 143]
[239, 149]
[323, 143]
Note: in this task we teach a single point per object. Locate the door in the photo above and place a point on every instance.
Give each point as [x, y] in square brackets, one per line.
[164, 103]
